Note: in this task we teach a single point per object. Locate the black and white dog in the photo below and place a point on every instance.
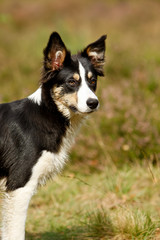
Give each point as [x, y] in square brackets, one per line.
[37, 132]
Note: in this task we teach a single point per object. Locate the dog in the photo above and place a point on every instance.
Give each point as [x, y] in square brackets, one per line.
[37, 132]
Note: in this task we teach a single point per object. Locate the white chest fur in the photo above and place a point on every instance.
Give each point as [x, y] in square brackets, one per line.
[49, 163]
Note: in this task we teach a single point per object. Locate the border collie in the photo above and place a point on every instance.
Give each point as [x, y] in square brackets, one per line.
[37, 132]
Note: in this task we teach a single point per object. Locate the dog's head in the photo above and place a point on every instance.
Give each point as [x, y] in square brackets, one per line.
[73, 79]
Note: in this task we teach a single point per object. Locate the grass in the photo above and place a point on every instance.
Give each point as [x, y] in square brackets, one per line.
[110, 188]
[113, 204]
[125, 224]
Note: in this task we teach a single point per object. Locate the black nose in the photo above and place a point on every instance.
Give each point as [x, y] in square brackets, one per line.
[92, 103]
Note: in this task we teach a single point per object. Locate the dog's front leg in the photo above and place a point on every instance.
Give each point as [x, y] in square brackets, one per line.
[14, 212]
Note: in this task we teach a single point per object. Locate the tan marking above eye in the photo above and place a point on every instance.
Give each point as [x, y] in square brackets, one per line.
[90, 74]
[76, 76]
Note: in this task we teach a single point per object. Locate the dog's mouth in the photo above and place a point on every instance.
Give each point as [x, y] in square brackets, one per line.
[75, 110]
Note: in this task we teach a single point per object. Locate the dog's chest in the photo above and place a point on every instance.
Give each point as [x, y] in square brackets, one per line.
[49, 164]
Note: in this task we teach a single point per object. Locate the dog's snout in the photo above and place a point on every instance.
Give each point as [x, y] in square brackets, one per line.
[92, 103]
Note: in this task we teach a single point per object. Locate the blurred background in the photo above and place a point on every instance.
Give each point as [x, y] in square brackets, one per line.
[125, 132]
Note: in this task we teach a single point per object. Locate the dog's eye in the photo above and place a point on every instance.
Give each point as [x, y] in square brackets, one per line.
[72, 82]
[92, 81]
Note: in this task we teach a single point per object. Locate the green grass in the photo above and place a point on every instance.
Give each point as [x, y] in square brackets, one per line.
[124, 224]
[112, 204]
[110, 188]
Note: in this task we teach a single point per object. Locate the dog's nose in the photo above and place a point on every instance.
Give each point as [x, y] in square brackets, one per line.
[92, 103]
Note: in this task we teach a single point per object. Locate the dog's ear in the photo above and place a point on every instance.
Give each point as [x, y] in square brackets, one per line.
[55, 53]
[96, 53]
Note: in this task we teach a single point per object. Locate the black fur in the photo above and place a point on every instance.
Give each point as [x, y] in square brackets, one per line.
[27, 129]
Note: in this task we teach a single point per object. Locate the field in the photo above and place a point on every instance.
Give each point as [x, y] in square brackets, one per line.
[110, 187]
